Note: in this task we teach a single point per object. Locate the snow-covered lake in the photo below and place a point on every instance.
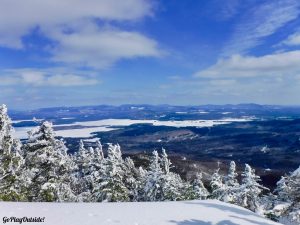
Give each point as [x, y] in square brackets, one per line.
[87, 128]
[206, 212]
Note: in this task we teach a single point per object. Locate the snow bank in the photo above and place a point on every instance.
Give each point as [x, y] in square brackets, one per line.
[208, 212]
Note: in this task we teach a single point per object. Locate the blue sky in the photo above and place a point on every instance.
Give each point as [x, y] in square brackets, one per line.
[87, 52]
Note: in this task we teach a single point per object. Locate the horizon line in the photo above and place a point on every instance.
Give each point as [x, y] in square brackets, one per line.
[155, 105]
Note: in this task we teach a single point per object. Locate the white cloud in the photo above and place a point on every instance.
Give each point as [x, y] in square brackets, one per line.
[261, 21]
[275, 65]
[292, 40]
[222, 82]
[268, 79]
[74, 30]
[17, 18]
[95, 47]
[53, 77]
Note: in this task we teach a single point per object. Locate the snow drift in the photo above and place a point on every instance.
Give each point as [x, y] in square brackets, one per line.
[198, 212]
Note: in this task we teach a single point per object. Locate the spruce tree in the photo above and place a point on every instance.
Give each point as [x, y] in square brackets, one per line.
[154, 180]
[173, 187]
[130, 179]
[231, 184]
[250, 191]
[13, 180]
[49, 166]
[288, 190]
[82, 187]
[217, 186]
[198, 189]
[99, 156]
[139, 193]
[110, 186]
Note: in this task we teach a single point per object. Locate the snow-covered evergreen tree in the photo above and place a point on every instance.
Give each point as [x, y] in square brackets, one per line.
[131, 178]
[140, 183]
[153, 180]
[160, 183]
[12, 178]
[197, 188]
[86, 161]
[217, 186]
[231, 184]
[99, 156]
[83, 159]
[288, 205]
[282, 188]
[250, 190]
[225, 188]
[49, 166]
[231, 178]
[165, 162]
[110, 186]
[173, 187]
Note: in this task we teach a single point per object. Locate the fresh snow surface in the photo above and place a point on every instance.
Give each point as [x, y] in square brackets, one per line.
[206, 212]
[20, 121]
[89, 127]
[85, 132]
[203, 112]
[171, 123]
[32, 120]
[181, 112]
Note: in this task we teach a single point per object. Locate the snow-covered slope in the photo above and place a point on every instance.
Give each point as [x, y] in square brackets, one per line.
[208, 212]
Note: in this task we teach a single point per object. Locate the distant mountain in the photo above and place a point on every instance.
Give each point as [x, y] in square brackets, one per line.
[161, 112]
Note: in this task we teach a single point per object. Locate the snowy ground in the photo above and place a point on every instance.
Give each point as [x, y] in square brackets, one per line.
[208, 212]
[85, 129]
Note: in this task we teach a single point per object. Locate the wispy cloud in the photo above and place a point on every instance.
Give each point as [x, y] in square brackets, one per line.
[45, 77]
[225, 9]
[237, 66]
[260, 22]
[271, 79]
